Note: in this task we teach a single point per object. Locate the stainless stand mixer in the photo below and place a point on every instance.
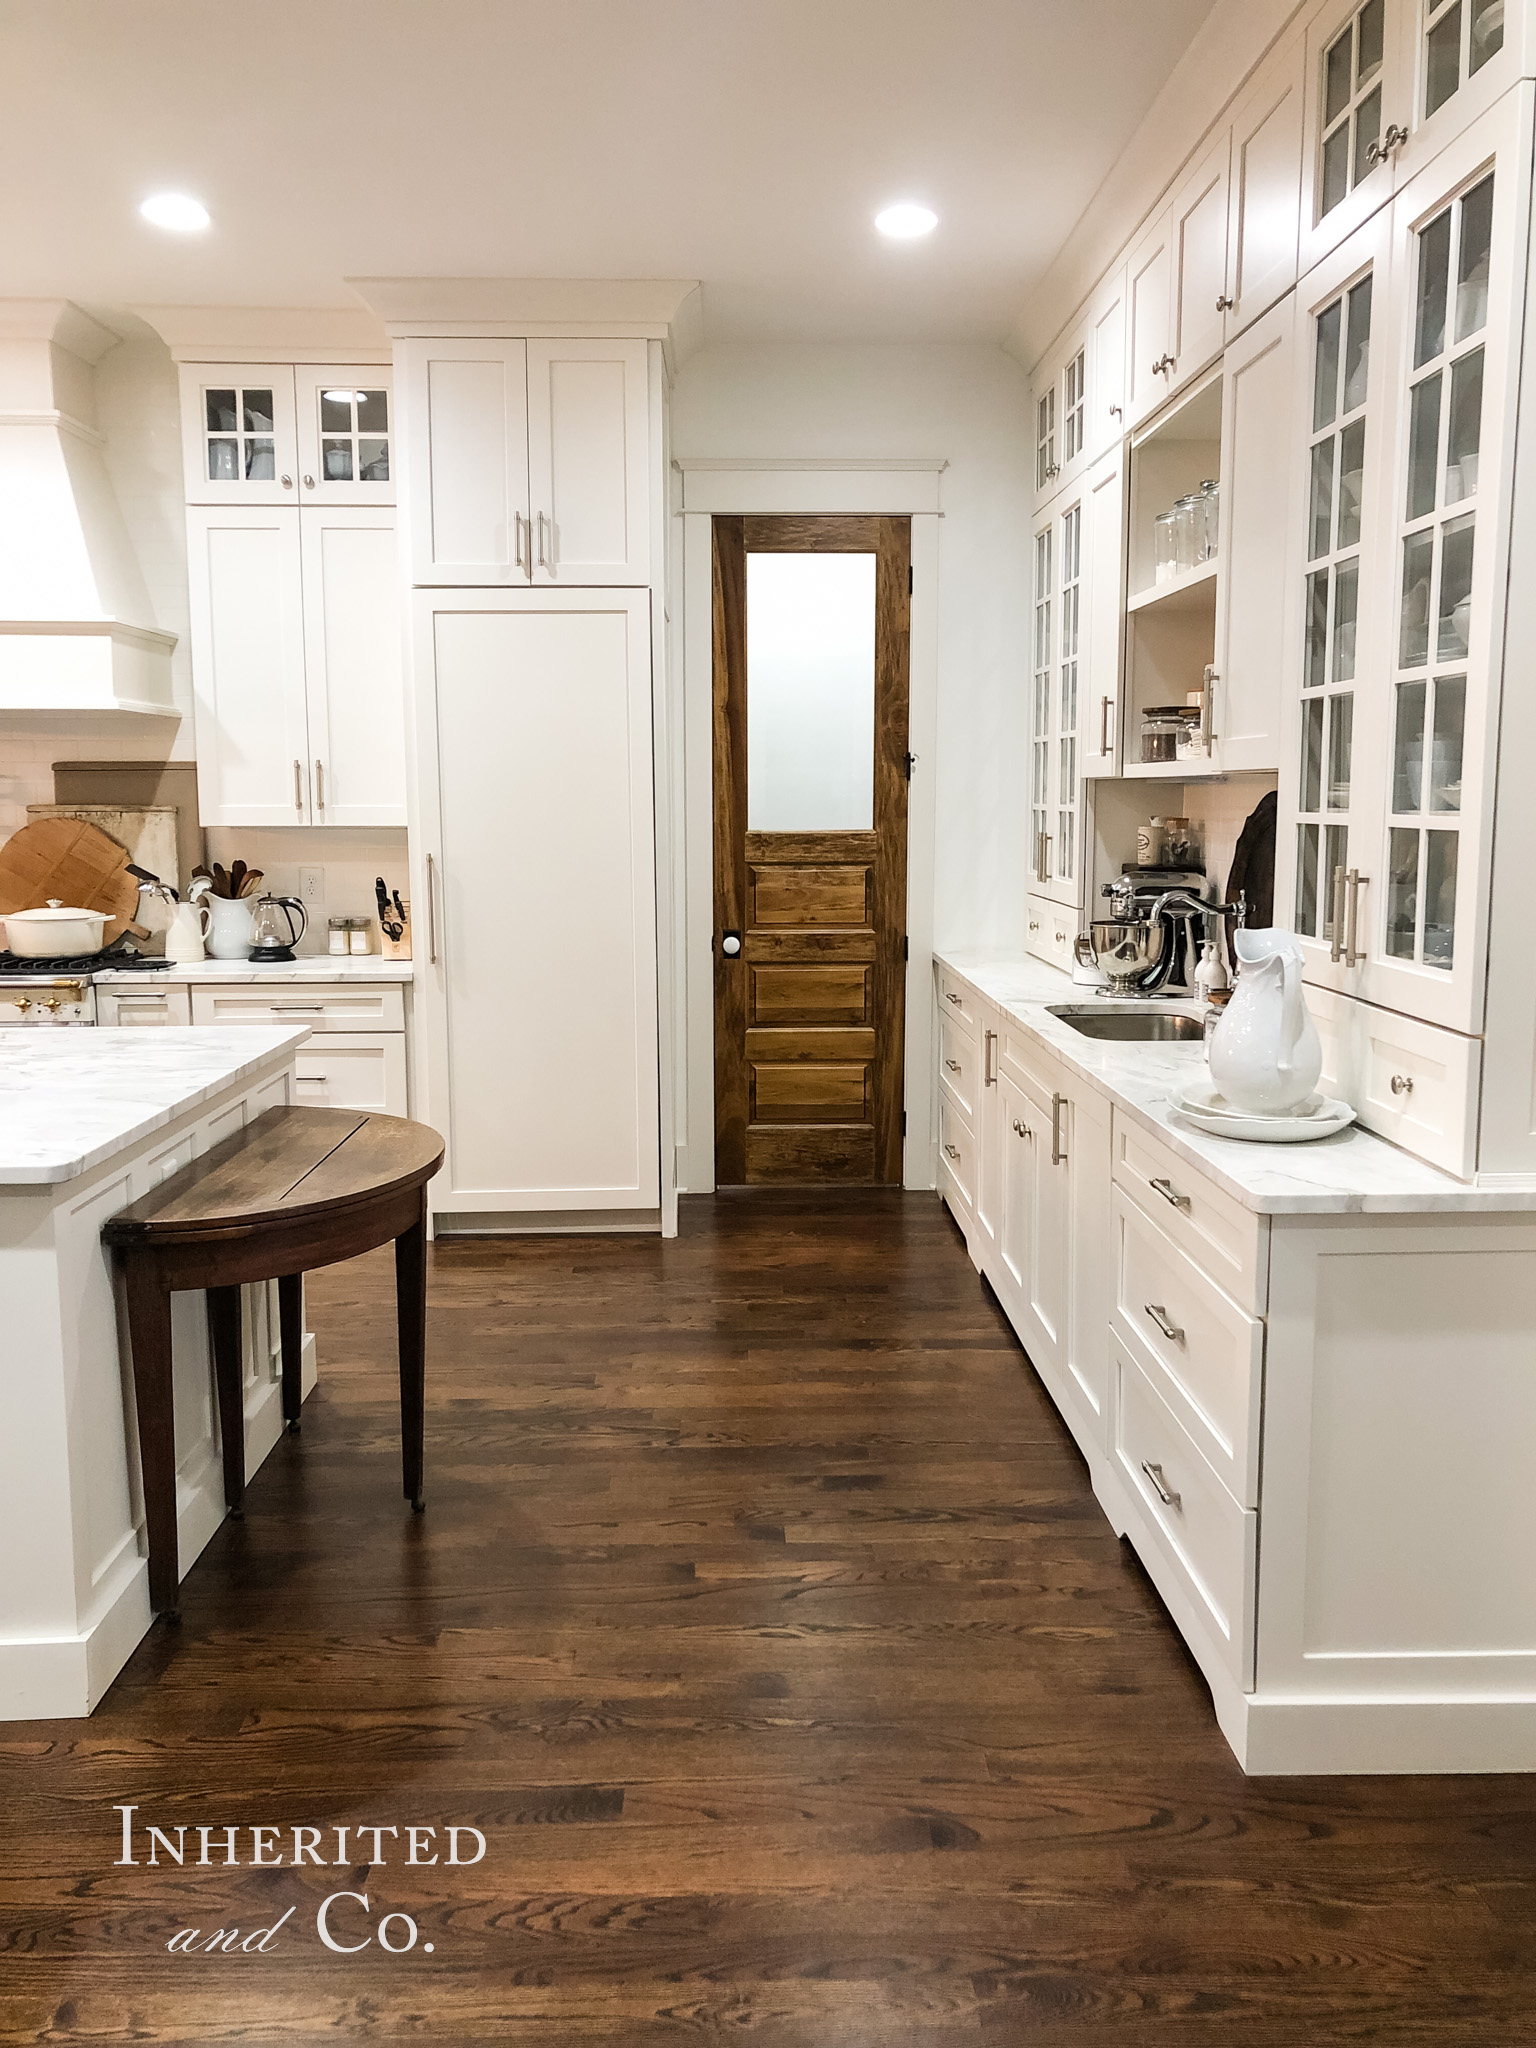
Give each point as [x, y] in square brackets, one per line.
[1145, 948]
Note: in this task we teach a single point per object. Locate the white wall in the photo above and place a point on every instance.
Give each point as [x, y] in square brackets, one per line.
[970, 405]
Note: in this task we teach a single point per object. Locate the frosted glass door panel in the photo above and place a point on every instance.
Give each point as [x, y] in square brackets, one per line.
[810, 693]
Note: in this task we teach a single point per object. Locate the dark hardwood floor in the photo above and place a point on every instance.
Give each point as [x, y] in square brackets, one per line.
[763, 1621]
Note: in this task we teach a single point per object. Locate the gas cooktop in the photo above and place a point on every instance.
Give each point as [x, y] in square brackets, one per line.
[79, 965]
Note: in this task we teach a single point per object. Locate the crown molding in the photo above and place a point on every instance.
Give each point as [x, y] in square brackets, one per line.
[264, 334]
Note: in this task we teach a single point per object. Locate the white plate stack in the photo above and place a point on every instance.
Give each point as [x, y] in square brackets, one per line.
[1208, 1110]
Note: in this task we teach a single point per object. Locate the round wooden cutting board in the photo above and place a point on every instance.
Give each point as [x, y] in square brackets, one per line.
[73, 861]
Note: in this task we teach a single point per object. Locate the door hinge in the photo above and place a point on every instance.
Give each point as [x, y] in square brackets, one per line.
[909, 579]
[906, 948]
[908, 763]
[903, 1123]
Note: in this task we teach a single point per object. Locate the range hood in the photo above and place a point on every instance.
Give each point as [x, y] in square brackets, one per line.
[77, 630]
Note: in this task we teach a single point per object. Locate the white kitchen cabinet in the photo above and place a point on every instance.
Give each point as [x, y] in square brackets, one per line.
[1079, 392]
[1387, 845]
[286, 434]
[1106, 365]
[1264, 204]
[1056, 698]
[245, 588]
[1150, 360]
[1197, 317]
[354, 634]
[528, 462]
[987, 1125]
[534, 900]
[134, 1009]
[1103, 614]
[340, 1071]
[296, 665]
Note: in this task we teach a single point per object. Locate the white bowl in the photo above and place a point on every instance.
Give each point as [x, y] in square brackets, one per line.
[55, 932]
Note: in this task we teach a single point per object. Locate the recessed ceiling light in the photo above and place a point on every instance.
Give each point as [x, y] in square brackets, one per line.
[176, 211]
[906, 222]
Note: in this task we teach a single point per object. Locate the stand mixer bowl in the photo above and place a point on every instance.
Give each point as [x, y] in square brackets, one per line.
[1125, 953]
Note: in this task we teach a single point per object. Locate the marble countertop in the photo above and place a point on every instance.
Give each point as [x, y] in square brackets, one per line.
[72, 1100]
[1353, 1173]
[308, 967]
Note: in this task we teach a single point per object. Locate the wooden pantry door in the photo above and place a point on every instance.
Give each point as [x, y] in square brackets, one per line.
[810, 785]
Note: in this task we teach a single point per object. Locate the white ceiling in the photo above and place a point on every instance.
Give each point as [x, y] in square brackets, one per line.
[746, 143]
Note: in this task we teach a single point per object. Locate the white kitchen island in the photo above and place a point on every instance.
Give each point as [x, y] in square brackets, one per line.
[90, 1121]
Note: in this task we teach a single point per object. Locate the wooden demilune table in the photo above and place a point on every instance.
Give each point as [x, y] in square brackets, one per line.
[296, 1189]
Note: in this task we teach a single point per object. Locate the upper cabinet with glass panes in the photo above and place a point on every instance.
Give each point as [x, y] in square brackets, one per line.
[273, 434]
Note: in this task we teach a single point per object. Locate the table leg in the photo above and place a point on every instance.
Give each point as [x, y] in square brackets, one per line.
[149, 1339]
[229, 1372]
[411, 1314]
[290, 1326]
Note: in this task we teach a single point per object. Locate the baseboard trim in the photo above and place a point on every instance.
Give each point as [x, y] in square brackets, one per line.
[543, 1222]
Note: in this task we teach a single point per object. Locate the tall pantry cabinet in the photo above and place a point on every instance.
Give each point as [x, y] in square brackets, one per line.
[531, 467]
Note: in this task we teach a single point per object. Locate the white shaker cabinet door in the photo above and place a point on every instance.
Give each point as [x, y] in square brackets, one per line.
[465, 416]
[1199, 237]
[1264, 206]
[1103, 614]
[588, 461]
[1106, 366]
[1149, 317]
[248, 665]
[1254, 580]
[535, 899]
[353, 632]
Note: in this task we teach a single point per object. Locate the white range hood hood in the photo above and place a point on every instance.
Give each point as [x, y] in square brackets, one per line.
[77, 630]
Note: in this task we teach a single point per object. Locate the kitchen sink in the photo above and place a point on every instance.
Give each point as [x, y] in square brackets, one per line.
[1099, 1020]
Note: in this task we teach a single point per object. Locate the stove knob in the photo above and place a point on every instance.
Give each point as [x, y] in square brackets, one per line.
[51, 1003]
[23, 1003]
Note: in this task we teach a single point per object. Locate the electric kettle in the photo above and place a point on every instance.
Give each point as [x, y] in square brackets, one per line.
[273, 931]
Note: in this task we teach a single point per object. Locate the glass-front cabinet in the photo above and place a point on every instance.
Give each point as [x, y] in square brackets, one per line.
[1057, 692]
[280, 434]
[1406, 426]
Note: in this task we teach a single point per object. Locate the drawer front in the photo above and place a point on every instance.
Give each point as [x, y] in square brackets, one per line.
[956, 1000]
[323, 1006]
[345, 1072]
[1414, 1083]
[1026, 1061]
[1201, 1351]
[957, 1150]
[1220, 1235]
[128, 1007]
[1049, 931]
[1202, 1539]
[958, 1063]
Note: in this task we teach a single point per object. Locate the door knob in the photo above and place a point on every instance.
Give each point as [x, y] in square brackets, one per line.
[730, 944]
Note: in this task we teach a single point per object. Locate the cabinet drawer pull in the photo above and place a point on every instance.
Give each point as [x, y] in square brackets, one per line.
[956, 1000]
[1159, 1315]
[309, 1080]
[1402, 1084]
[1160, 1486]
[989, 1079]
[431, 912]
[1058, 1156]
[1170, 1193]
[953, 1066]
[297, 1009]
[952, 1151]
[124, 1001]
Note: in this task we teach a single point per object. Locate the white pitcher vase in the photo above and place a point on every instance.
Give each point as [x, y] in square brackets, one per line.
[232, 934]
[1265, 1054]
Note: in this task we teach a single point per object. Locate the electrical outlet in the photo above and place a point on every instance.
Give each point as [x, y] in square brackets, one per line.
[312, 891]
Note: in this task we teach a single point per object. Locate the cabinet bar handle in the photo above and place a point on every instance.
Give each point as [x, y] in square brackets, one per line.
[989, 1079]
[1357, 881]
[1104, 703]
[518, 560]
[121, 1000]
[543, 558]
[1160, 1486]
[297, 1009]
[431, 913]
[298, 786]
[1058, 1157]
[309, 1080]
[953, 1066]
[1208, 707]
[1170, 1193]
[952, 1151]
[1159, 1315]
[1340, 893]
[320, 785]
[950, 998]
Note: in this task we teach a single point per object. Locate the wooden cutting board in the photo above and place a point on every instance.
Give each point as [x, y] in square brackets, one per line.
[73, 861]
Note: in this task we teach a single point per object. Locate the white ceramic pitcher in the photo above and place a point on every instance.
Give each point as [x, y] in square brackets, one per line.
[188, 929]
[1265, 1054]
[233, 932]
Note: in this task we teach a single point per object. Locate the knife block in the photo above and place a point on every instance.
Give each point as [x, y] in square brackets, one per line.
[396, 949]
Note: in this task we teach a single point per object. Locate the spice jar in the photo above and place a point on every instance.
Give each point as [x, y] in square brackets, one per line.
[359, 936]
[1150, 842]
[338, 934]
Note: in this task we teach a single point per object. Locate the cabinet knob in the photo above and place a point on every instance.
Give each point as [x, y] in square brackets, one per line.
[1224, 304]
[287, 483]
[1402, 1084]
[1163, 364]
[1394, 138]
[309, 483]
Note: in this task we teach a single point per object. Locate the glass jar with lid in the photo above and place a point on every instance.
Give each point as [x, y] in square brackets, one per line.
[1159, 736]
[1165, 546]
[1208, 520]
[1188, 529]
